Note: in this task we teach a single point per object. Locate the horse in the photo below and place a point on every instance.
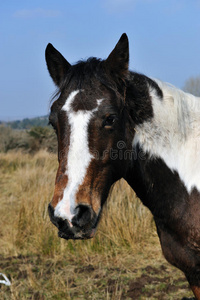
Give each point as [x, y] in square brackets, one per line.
[101, 104]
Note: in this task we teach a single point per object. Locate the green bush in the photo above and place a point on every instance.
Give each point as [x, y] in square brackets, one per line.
[31, 140]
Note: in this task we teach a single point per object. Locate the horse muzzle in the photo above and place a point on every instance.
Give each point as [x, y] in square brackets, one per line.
[82, 226]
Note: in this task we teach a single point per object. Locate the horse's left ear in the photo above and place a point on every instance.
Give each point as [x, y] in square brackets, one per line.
[118, 60]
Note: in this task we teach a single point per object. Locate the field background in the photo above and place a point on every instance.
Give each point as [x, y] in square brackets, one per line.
[123, 260]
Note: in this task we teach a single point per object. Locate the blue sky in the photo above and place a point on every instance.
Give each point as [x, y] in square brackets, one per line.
[164, 38]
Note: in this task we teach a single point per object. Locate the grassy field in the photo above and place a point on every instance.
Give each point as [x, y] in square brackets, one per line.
[123, 260]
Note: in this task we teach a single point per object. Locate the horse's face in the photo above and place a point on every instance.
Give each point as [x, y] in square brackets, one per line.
[89, 121]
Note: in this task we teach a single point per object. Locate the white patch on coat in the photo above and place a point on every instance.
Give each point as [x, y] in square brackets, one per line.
[173, 133]
[79, 156]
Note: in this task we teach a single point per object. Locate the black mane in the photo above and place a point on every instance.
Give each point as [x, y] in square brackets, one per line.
[87, 73]
[133, 92]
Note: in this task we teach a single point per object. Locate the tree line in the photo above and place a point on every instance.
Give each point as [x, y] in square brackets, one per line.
[27, 123]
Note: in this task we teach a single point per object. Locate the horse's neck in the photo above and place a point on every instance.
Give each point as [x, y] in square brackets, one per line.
[170, 136]
[155, 184]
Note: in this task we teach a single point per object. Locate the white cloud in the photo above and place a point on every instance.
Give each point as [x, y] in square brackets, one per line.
[121, 2]
[118, 4]
[37, 12]
[123, 5]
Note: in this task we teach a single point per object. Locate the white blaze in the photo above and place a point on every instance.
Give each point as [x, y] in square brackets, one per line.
[79, 156]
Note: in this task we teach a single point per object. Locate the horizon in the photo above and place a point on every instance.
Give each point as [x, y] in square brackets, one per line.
[10, 119]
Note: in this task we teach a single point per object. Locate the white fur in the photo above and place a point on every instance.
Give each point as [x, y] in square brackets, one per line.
[173, 133]
[79, 156]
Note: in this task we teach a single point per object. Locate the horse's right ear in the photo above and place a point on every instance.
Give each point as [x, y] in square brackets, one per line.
[56, 64]
[118, 60]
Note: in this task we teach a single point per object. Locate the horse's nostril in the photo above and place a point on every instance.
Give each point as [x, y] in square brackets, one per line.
[58, 222]
[83, 216]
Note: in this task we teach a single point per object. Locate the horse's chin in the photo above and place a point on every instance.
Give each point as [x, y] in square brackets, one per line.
[77, 235]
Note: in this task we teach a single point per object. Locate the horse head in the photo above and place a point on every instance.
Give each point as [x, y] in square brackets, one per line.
[92, 124]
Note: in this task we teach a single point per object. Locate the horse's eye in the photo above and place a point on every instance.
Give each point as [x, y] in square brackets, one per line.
[109, 121]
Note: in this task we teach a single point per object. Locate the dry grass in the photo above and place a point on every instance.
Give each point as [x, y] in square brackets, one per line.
[27, 185]
[42, 266]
